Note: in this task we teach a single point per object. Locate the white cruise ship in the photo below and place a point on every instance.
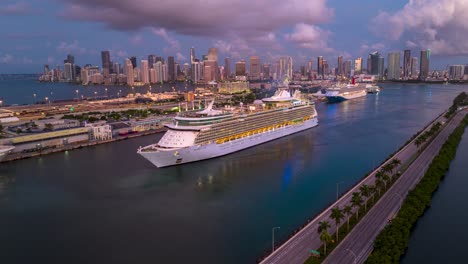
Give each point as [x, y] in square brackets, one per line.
[4, 150]
[350, 91]
[210, 133]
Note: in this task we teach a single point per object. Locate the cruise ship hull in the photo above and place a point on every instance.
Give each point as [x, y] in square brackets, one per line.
[341, 98]
[208, 151]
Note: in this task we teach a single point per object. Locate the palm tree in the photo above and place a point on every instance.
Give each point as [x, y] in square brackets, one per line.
[372, 191]
[396, 162]
[356, 201]
[325, 238]
[323, 226]
[379, 184]
[348, 211]
[387, 168]
[366, 193]
[337, 215]
[385, 178]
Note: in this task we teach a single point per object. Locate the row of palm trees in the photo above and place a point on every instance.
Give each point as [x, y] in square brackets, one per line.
[428, 134]
[365, 193]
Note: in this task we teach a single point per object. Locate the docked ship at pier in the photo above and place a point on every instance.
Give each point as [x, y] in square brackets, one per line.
[210, 133]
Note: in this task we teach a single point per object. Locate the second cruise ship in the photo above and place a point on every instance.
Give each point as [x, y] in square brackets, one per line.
[210, 133]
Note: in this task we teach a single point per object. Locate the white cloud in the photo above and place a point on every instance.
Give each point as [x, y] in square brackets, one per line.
[439, 25]
[310, 37]
[174, 44]
[136, 40]
[73, 47]
[6, 59]
[180, 57]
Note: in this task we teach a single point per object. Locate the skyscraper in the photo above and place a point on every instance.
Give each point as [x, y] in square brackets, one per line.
[340, 65]
[424, 64]
[134, 62]
[213, 54]
[210, 71]
[282, 68]
[171, 68]
[116, 68]
[144, 72]
[196, 71]
[320, 66]
[347, 68]
[325, 68]
[266, 71]
[158, 67]
[151, 60]
[240, 68]
[68, 71]
[129, 72]
[254, 71]
[358, 66]
[406, 64]
[380, 67]
[393, 66]
[227, 68]
[414, 67]
[70, 59]
[373, 67]
[289, 68]
[192, 55]
[106, 63]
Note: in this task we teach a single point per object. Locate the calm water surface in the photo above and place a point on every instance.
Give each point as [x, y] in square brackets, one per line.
[105, 204]
[440, 236]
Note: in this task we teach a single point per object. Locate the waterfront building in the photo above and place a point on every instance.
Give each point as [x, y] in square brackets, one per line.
[407, 64]
[414, 67]
[68, 71]
[144, 72]
[171, 68]
[254, 72]
[116, 68]
[393, 66]
[340, 66]
[233, 87]
[106, 63]
[456, 72]
[358, 66]
[373, 64]
[320, 66]
[129, 72]
[325, 68]
[424, 64]
[100, 131]
[227, 68]
[381, 67]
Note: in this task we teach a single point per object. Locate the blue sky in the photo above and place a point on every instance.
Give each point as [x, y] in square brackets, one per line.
[37, 32]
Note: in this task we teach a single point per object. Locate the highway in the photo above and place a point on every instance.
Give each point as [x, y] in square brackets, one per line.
[297, 248]
[356, 247]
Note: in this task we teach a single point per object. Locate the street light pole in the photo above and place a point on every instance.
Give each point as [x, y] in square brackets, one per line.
[273, 238]
[337, 184]
[354, 255]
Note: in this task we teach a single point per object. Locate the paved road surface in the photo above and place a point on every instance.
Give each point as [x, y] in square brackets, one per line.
[360, 241]
[297, 248]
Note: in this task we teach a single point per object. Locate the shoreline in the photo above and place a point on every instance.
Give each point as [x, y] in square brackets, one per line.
[20, 156]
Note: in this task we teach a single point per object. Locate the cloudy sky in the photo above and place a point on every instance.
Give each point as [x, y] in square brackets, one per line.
[36, 32]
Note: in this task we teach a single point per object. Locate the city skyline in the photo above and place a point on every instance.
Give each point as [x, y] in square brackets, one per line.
[44, 32]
